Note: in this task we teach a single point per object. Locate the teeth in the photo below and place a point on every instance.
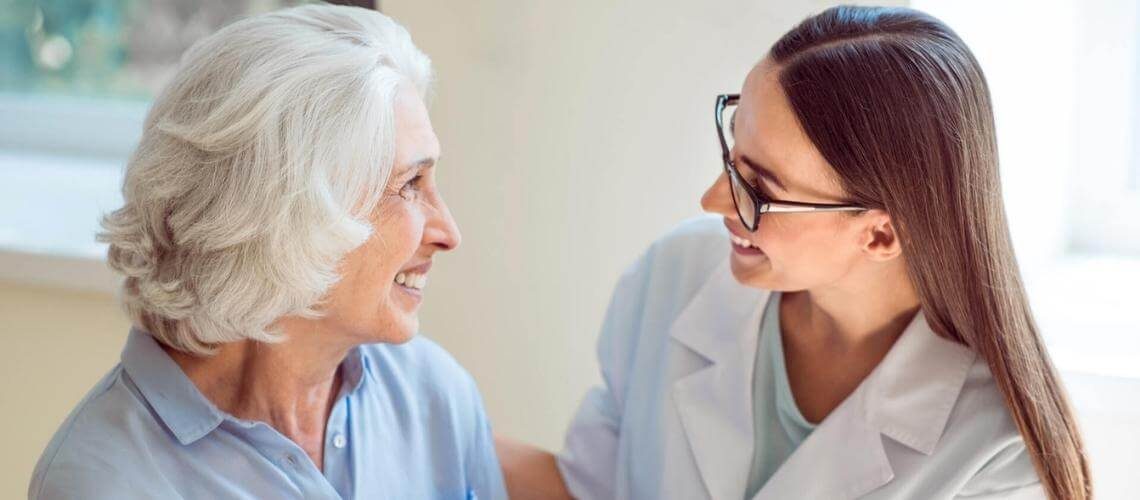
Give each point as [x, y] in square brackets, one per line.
[411, 280]
[741, 241]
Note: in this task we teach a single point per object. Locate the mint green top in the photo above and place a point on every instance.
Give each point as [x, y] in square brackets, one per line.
[778, 425]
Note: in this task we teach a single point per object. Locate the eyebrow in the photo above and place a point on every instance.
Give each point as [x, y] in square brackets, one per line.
[762, 171]
[420, 165]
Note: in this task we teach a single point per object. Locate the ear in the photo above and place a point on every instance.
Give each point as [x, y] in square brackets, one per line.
[879, 240]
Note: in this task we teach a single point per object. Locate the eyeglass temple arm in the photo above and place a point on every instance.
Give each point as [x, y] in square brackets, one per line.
[775, 207]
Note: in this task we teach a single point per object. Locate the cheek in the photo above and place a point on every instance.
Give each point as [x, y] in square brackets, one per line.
[398, 233]
[801, 248]
[370, 268]
[371, 291]
[779, 237]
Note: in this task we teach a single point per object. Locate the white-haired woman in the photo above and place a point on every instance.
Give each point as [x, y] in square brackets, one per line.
[280, 217]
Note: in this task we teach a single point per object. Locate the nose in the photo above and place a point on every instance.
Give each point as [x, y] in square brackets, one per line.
[441, 231]
[718, 197]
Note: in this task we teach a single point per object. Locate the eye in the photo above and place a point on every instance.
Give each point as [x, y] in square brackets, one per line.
[411, 188]
[758, 184]
[763, 188]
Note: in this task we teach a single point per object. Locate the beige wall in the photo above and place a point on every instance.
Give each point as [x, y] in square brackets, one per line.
[573, 134]
[57, 344]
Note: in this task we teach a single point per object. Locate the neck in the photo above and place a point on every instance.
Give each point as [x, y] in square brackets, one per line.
[865, 309]
[291, 385]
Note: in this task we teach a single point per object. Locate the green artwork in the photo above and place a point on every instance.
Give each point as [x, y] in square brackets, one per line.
[106, 48]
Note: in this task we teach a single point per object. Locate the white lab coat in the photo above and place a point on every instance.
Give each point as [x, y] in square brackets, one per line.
[673, 417]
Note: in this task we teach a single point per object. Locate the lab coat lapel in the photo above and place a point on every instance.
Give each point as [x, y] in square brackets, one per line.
[721, 324]
[843, 458]
[907, 398]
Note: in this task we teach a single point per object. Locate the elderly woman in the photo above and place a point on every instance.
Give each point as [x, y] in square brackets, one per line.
[280, 219]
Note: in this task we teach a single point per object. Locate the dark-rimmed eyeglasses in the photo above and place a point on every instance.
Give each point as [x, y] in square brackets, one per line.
[750, 203]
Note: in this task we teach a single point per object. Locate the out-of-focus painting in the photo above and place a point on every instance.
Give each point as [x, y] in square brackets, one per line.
[106, 48]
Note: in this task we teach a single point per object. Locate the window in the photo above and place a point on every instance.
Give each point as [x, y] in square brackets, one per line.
[78, 75]
[1106, 192]
[1063, 76]
[1136, 105]
[76, 78]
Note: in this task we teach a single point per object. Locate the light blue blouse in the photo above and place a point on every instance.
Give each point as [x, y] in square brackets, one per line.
[408, 423]
[779, 425]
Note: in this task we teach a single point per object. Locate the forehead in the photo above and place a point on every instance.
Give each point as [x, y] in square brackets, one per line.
[768, 132]
[415, 138]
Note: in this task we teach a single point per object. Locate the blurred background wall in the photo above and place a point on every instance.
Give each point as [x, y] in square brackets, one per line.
[573, 134]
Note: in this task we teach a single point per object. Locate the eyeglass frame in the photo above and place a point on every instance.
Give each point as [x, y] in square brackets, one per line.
[762, 203]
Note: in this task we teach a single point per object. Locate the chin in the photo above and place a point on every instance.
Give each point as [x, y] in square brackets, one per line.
[390, 331]
[750, 276]
[399, 339]
[402, 332]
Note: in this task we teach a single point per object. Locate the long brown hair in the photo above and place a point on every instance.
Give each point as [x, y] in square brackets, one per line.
[897, 104]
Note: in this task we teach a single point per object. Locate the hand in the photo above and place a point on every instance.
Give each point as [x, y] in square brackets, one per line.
[529, 472]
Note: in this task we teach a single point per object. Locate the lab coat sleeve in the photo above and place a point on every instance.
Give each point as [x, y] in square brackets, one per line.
[1032, 491]
[1008, 475]
[588, 462]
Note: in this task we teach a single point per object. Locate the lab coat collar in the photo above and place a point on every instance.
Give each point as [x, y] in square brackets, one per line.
[714, 320]
[908, 398]
[914, 388]
[721, 324]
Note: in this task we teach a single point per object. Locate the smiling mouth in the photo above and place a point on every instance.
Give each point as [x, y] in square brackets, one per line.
[741, 246]
[411, 281]
[741, 242]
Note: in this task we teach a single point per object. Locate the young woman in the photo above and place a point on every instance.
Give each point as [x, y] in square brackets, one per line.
[852, 324]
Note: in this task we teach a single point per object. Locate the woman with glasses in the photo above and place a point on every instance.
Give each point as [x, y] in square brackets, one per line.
[852, 324]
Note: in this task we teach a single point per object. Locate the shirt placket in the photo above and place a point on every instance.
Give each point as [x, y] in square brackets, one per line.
[305, 475]
[292, 461]
[338, 448]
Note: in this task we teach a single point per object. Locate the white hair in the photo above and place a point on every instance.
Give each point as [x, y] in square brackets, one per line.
[258, 167]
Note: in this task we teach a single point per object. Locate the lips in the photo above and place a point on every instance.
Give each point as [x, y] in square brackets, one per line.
[414, 277]
[740, 244]
[412, 280]
[417, 269]
[736, 240]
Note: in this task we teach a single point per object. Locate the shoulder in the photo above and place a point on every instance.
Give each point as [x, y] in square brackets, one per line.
[696, 244]
[655, 290]
[424, 369]
[436, 401]
[981, 410]
[423, 358]
[99, 447]
[674, 267]
[998, 462]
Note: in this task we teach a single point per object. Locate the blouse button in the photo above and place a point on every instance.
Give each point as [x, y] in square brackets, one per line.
[339, 441]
